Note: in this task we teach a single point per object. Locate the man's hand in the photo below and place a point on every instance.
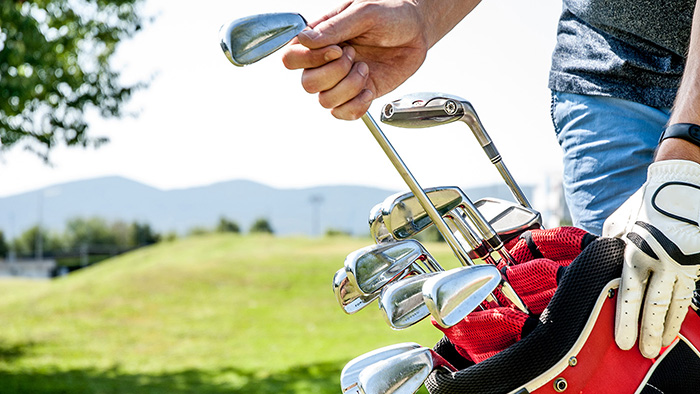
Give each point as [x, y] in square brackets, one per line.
[367, 48]
[659, 223]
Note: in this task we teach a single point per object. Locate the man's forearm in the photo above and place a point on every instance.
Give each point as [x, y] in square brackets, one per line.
[686, 109]
[440, 16]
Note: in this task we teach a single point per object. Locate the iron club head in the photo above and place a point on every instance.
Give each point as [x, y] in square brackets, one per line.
[452, 295]
[349, 374]
[402, 301]
[401, 374]
[249, 39]
[371, 268]
[347, 295]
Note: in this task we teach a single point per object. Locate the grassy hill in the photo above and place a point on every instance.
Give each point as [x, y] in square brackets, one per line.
[213, 314]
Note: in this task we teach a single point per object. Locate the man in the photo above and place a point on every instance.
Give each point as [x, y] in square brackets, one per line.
[613, 58]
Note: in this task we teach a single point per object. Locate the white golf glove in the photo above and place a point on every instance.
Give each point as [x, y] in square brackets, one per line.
[659, 224]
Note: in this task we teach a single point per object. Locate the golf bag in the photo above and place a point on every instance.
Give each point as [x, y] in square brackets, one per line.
[566, 343]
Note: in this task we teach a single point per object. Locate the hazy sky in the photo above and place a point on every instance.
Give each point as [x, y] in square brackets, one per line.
[203, 121]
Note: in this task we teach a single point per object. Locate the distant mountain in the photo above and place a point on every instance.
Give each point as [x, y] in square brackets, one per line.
[290, 211]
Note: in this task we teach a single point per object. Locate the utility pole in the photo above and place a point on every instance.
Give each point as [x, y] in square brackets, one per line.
[316, 200]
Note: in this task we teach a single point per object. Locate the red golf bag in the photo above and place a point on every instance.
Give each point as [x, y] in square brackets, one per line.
[568, 279]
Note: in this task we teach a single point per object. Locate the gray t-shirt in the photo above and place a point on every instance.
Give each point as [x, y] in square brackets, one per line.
[630, 49]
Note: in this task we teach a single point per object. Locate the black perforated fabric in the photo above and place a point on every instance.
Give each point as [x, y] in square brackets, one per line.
[677, 373]
[559, 328]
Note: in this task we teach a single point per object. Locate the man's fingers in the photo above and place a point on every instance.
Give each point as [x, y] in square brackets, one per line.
[345, 25]
[658, 298]
[629, 302]
[319, 79]
[346, 89]
[297, 57]
[355, 108]
[682, 296]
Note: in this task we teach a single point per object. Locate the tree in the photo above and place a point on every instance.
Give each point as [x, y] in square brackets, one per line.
[144, 235]
[227, 226]
[261, 225]
[55, 65]
[27, 242]
[3, 245]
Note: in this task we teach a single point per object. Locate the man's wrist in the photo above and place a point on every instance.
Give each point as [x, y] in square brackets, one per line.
[680, 141]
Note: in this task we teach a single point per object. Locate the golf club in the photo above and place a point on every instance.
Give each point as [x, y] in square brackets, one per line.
[402, 301]
[260, 35]
[347, 295]
[507, 218]
[247, 40]
[372, 267]
[420, 110]
[452, 296]
[351, 371]
[377, 228]
[401, 374]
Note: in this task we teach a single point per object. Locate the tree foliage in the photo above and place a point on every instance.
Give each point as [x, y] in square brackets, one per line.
[227, 226]
[55, 65]
[261, 225]
[3, 245]
[26, 243]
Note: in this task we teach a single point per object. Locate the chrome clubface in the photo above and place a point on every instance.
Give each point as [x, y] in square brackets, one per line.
[452, 295]
[508, 219]
[402, 302]
[371, 268]
[401, 374]
[351, 371]
[404, 216]
[247, 40]
[347, 295]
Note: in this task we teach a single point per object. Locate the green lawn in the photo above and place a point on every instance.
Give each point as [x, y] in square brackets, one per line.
[212, 314]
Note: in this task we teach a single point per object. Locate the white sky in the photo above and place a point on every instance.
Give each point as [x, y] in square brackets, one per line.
[203, 120]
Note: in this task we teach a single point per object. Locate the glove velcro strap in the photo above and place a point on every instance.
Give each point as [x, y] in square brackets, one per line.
[668, 246]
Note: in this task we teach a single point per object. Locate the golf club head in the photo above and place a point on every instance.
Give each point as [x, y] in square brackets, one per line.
[371, 268]
[249, 39]
[402, 301]
[347, 295]
[349, 374]
[404, 216]
[401, 374]
[453, 294]
[377, 228]
[419, 110]
[508, 219]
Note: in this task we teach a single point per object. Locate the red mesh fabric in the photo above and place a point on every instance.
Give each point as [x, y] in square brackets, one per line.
[561, 243]
[535, 282]
[538, 254]
[521, 252]
[485, 333]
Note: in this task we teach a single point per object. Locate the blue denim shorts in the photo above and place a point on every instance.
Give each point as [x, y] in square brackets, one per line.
[608, 144]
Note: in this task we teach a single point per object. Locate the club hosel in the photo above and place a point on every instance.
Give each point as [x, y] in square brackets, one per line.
[508, 292]
[472, 120]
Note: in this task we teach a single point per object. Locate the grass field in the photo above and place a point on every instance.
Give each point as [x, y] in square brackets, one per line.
[211, 314]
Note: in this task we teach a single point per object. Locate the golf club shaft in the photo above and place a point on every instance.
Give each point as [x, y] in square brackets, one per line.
[430, 209]
[413, 185]
[472, 120]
